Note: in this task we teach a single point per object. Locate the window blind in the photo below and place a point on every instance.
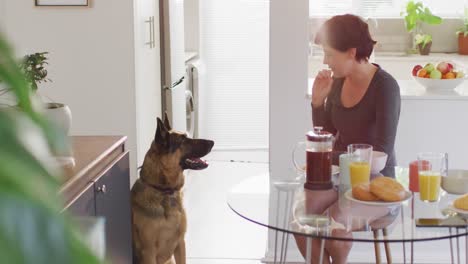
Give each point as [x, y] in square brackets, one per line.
[233, 80]
[382, 8]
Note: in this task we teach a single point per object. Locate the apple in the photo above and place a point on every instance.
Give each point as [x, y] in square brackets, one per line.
[416, 69]
[421, 73]
[444, 67]
[429, 67]
[460, 74]
[450, 66]
[449, 75]
[436, 74]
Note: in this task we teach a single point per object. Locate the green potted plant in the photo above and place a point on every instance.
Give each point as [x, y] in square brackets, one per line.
[33, 65]
[415, 15]
[32, 228]
[462, 34]
[34, 68]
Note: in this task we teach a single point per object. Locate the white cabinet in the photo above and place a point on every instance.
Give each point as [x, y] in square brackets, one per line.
[433, 125]
[147, 73]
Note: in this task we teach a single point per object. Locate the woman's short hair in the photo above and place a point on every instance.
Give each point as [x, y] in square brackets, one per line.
[344, 32]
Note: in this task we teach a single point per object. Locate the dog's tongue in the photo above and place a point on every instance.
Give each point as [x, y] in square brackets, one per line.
[196, 163]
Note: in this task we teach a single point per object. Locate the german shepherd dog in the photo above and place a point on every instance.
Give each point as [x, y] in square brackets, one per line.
[159, 220]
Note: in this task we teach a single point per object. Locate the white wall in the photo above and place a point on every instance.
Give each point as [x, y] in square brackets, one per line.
[391, 34]
[2, 14]
[192, 25]
[289, 117]
[91, 61]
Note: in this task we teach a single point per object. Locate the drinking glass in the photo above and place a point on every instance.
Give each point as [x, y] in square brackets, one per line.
[432, 166]
[359, 168]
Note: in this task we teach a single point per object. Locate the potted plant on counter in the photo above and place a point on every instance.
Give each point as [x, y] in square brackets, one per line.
[34, 68]
[462, 34]
[415, 15]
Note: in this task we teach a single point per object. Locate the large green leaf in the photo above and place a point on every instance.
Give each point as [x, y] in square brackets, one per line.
[415, 13]
[32, 229]
[37, 234]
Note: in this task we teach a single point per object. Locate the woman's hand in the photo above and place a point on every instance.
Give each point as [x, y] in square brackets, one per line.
[321, 88]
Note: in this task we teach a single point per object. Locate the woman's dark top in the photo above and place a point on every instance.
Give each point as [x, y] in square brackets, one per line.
[373, 120]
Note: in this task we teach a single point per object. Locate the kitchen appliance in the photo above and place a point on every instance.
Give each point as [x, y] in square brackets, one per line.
[173, 78]
[192, 99]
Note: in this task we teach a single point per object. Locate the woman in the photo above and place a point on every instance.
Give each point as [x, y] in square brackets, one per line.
[358, 102]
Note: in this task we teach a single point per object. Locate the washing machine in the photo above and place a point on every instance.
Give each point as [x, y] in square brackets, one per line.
[191, 98]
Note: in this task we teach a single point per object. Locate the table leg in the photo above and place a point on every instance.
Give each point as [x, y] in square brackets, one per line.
[287, 209]
[309, 251]
[403, 229]
[376, 247]
[285, 234]
[322, 249]
[458, 247]
[387, 247]
[412, 252]
[277, 222]
[451, 247]
[466, 245]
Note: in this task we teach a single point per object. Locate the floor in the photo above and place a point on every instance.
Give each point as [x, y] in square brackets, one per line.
[215, 234]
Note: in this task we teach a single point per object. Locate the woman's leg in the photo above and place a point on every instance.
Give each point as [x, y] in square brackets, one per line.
[354, 217]
[338, 250]
[316, 202]
[301, 242]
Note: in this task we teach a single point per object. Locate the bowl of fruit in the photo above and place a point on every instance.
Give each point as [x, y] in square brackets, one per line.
[440, 76]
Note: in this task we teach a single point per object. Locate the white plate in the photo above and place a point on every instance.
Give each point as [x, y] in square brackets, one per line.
[349, 195]
[460, 211]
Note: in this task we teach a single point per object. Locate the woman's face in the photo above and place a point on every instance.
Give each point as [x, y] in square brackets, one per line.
[339, 62]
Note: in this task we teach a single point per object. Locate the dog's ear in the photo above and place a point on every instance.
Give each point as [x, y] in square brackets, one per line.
[166, 122]
[161, 133]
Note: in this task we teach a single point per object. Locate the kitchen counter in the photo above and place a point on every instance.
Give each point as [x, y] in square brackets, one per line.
[399, 65]
[411, 90]
[429, 121]
[99, 186]
[92, 155]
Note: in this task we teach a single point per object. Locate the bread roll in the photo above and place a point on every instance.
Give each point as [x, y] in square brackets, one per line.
[461, 202]
[387, 189]
[361, 192]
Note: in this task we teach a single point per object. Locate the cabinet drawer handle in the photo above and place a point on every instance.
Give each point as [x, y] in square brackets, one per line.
[102, 189]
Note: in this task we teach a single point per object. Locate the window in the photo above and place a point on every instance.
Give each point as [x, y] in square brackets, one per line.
[381, 8]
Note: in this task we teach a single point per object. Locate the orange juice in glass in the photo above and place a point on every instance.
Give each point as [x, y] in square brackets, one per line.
[429, 185]
[359, 172]
[432, 167]
[359, 168]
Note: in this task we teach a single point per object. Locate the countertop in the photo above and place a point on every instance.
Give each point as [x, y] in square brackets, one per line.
[411, 90]
[92, 154]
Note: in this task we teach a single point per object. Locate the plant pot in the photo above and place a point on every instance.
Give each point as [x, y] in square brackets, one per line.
[462, 44]
[426, 50]
[59, 114]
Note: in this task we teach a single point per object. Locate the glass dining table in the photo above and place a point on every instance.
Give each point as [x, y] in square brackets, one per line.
[406, 222]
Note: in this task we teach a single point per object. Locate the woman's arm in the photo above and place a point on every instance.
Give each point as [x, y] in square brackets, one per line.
[321, 107]
[321, 116]
[388, 113]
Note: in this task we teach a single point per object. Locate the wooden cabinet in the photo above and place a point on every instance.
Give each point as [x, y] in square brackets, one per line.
[112, 197]
[84, 205]
[99, 185]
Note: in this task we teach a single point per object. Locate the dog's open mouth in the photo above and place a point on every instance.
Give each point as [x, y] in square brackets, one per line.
[195, 164]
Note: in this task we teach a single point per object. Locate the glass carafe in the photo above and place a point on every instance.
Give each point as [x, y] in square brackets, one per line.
[319, 146]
